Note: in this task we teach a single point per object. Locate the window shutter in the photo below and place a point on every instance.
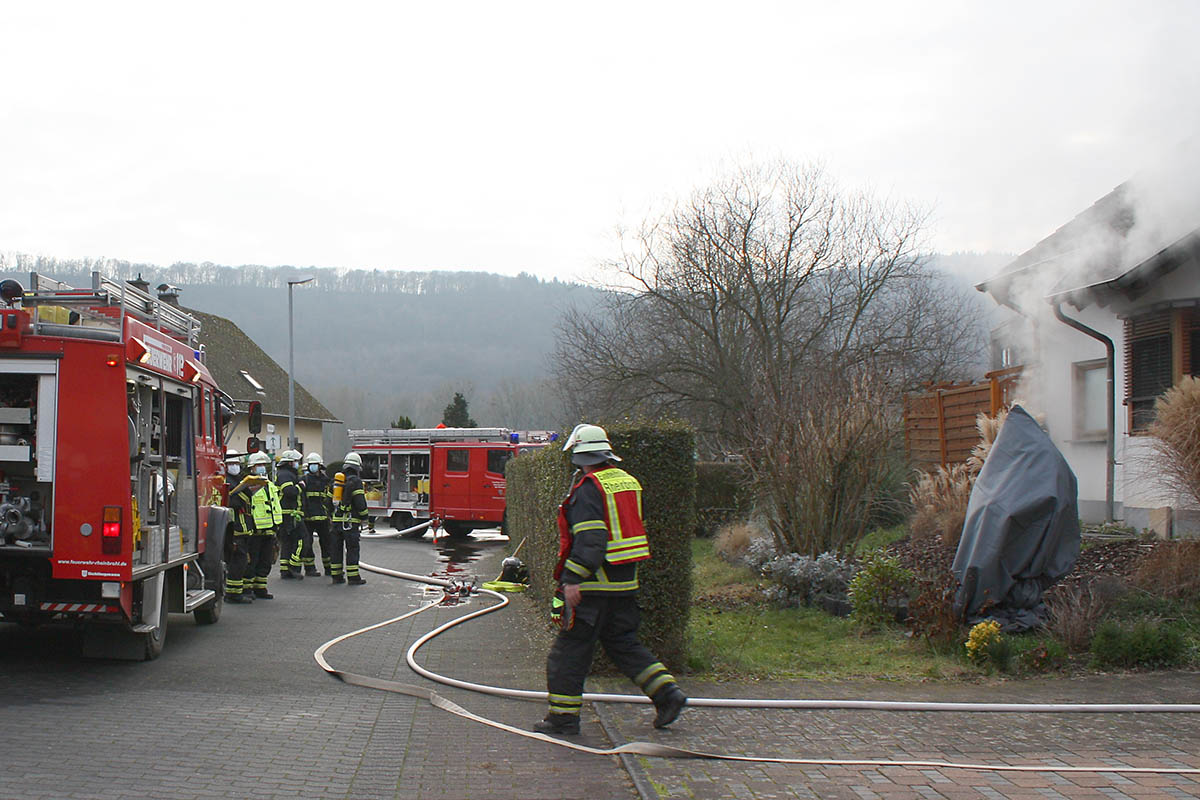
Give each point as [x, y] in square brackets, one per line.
[1147, 365]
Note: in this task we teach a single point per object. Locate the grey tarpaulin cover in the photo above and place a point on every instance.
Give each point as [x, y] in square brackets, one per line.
[1022, 528]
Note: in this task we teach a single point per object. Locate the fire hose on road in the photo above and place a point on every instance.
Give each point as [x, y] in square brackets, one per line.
[667, 751]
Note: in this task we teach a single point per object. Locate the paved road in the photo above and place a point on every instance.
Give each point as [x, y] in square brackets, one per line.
[240, 709]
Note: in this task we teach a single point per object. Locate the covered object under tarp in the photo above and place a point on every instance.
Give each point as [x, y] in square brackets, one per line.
[1022, 528]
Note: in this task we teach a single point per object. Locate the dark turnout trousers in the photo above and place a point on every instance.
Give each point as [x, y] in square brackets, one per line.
[611, 620]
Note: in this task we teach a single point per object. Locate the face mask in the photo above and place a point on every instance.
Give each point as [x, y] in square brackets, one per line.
[314, 468]
[233, 469]
[260, 471]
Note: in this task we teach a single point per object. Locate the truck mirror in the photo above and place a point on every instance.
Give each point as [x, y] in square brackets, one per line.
[254, 444]
[254, 417]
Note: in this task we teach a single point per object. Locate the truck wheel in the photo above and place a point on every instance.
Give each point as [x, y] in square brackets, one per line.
[154, 639]
[211, 612]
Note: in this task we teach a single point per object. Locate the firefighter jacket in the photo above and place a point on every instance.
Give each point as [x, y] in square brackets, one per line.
[256, 508]
[601, 534]
[353, 508]
[318, 496]
[289, 496]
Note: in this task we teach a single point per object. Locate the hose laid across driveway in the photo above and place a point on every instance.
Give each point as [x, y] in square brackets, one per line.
[666, 751]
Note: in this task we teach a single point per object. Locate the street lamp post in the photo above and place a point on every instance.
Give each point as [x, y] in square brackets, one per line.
[292, 365]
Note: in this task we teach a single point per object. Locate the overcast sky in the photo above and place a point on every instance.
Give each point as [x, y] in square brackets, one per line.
[517, 136]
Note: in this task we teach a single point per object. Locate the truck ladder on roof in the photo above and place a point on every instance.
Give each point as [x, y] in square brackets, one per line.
[107, 293]
[389, 436]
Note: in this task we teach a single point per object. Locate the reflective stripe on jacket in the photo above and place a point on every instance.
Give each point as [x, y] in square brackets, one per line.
[625, 541]
[265, 509]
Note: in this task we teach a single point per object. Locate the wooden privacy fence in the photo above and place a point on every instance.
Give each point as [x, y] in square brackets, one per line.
[939, 425]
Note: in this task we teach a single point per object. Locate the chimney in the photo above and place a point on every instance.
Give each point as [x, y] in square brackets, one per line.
[140, 283]
[168, 294]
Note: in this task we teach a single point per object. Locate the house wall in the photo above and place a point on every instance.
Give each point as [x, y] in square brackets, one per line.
[310, 433]
[1049, 391]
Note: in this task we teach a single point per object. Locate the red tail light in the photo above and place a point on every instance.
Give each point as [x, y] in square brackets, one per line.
[110, 531]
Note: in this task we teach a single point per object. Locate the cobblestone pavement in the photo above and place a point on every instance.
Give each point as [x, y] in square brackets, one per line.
[240, 709]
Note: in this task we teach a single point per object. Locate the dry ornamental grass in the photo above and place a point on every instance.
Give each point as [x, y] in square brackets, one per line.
[1176, 428]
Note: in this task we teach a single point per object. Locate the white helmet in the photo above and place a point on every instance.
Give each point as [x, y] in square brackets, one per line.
[589, 445]
[288, 455]
[231, 454]
[258, 458]
[313, 458]
[352, 460]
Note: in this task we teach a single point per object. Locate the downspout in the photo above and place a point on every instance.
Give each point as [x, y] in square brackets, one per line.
[1109, 357]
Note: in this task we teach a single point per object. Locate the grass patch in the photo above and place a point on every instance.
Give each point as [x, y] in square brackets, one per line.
[881, 538]
[805, 643]
[750, 642]
[710, 571]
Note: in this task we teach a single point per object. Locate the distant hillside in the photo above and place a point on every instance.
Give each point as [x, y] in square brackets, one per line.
[373, 345]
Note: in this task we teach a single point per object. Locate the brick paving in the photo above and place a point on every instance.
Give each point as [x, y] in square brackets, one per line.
[240, 709]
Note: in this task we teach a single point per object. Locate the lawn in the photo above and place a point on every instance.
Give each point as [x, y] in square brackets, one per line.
[746, 641]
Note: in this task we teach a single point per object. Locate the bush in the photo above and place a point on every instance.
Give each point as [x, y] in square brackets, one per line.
[931, 613]
[1042, 656]
[809, 581]
[1144, 644]
[1171, 570]
[734, 539]
[759, 553]
[939, 501]
[987, 646]
[1076, 611]
[1176, 429]
[721, 495]
[879, 591]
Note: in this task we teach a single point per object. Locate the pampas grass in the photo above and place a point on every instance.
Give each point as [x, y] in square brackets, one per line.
[1176, 428]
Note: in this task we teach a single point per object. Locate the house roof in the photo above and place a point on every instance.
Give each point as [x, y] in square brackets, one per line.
[229, 352]
[1118, 245]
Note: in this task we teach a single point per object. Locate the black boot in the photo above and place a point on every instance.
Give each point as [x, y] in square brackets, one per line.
[263, 594]
[356, 580]
[337, 579]
[312, 572]
[565, 724]
[296, 573]
[237, 598]
[286, 574]
[669, 702]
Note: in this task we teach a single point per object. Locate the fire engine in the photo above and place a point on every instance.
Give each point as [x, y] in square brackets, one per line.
[454, 476]
[111, 443]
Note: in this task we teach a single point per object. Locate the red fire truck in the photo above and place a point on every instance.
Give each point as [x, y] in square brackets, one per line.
[452, 475]
[111, 487]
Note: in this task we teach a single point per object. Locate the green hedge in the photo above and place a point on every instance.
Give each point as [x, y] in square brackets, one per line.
[721, 495]
[660, 456]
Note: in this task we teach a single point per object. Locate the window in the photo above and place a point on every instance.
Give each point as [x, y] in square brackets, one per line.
[497, 459]
[1089, 389]
[1147, 366]
[457, 460]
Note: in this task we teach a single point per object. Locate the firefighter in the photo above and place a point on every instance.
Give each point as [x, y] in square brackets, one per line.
[601, 540]
[292, 533]
[233, 468]
[256, 502]
[314, 484]
[348, 518]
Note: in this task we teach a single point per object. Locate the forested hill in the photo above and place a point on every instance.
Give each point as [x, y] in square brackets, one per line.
[372, 345]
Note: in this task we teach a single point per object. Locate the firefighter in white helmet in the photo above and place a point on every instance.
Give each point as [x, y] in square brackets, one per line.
[291, 533]
[257, 513]
[348, 518]
[315, 490]
[601, 540]
[233, 468]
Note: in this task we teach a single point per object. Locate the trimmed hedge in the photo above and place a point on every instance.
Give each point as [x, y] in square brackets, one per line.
[721, 495]
[660, 456]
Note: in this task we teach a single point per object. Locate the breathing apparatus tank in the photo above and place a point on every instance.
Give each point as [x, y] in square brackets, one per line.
[339, 483]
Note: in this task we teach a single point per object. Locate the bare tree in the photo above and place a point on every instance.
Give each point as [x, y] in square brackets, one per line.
[752, 299]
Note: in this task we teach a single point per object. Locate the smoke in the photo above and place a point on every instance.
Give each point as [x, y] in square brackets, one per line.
[1152, 210]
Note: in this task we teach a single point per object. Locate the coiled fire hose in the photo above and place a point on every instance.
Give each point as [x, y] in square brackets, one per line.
[667, 751]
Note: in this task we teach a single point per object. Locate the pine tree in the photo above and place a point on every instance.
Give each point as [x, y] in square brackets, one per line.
[403, 423]
[456, 414]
